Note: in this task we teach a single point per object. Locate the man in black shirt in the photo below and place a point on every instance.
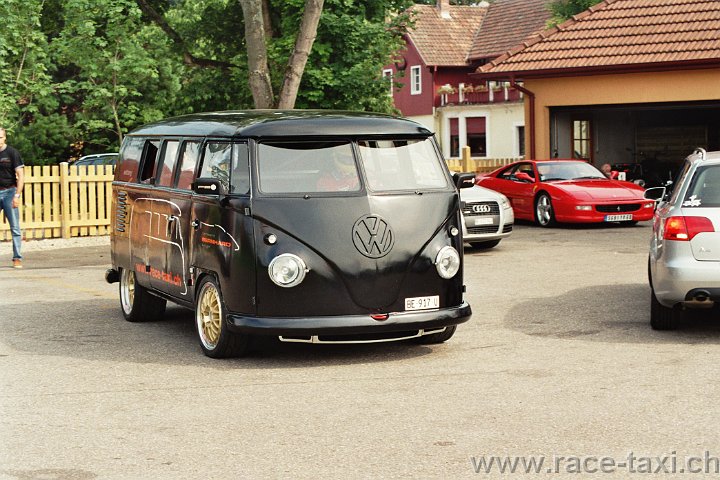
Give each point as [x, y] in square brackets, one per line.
[11, 186]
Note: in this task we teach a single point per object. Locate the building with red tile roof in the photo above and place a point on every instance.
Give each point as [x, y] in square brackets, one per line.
[627, 81]
[433, 83]
[506, 24]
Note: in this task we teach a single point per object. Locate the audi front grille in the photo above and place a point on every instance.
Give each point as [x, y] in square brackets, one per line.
[481, 208]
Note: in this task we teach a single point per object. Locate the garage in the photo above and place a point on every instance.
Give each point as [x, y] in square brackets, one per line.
[649, 142]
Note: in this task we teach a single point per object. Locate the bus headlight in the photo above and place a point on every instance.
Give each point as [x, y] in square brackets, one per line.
[447, 262]
[287, 270]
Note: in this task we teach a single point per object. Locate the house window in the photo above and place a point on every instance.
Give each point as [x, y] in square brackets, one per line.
[520, 135]
[454, 137]
[476, 138]
[415, 80]
[582, 140]
[388, 77]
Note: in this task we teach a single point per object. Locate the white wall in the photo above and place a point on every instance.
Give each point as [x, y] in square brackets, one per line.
[501, 122]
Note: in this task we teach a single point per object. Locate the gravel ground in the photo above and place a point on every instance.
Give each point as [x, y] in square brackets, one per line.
[55, 243]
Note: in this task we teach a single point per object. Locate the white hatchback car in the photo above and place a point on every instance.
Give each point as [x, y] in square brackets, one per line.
[487, 216]
[684, 259]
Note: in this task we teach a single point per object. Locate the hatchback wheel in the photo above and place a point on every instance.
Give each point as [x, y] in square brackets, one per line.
[215, 338]
[544, 213]
[662, 317]
[137, 303]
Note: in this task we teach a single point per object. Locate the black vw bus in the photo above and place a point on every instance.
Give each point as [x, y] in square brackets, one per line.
[312, 226]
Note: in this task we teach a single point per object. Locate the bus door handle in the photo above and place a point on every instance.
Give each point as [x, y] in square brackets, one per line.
[195, 224]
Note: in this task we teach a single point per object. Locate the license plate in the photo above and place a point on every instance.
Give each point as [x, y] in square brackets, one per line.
[618, 218]
[422, 303]
[484, 221]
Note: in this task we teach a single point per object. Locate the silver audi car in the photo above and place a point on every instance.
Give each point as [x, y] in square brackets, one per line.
[684, 260]
[487, 217]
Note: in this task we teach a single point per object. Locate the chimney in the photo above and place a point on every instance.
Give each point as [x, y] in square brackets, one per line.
[443, 7]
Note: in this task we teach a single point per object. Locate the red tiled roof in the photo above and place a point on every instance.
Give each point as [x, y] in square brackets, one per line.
[621, 34]
[445, 41]
[506, 24]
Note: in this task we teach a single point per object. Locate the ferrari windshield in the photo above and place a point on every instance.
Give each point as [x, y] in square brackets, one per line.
[556, 171]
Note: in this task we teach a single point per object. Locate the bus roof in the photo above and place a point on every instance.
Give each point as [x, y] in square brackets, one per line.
[283, 123]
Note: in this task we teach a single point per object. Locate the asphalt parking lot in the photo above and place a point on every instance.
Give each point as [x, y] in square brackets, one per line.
[558, 362]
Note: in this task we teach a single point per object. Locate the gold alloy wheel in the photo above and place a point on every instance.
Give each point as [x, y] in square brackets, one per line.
[127, 289]
[209, 316]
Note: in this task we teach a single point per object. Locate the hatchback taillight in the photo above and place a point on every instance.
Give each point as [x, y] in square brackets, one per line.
[684, 229]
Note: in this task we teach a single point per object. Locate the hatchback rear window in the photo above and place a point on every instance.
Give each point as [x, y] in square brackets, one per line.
[704, 189]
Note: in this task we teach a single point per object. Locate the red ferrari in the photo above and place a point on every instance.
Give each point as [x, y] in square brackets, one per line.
[572, 191]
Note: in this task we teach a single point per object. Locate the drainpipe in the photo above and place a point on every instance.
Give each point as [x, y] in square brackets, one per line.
[531, 96]
[434, 86]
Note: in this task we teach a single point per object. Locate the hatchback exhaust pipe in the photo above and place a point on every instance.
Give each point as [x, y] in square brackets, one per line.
[699, 297]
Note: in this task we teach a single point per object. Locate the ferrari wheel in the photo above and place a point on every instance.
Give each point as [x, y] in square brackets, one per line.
[544, 211]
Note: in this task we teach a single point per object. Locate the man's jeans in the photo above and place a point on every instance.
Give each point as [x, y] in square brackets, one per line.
[13, 218]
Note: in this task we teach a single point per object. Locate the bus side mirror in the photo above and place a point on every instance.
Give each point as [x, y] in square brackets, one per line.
[464, 180]
[208, 186]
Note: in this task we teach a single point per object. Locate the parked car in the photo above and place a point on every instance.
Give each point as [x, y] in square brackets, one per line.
[684, 259]
[648, 173]
[97, 159]
[572, 191]
[487, 217]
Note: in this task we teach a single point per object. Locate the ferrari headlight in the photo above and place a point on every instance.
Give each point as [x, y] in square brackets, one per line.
[287, 270]
[447, 262]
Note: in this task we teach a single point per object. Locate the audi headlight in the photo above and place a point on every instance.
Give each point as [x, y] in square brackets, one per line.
[504, 202]
[447, 262]
[287, 270]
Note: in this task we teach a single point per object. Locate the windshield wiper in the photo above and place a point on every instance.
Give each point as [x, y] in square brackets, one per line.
[552, 179]
[589, 177]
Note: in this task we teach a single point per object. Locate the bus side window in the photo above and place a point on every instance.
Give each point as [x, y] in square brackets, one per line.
[240, 178]
[130, 154]
[188, 162]
[167, 163]
[216, 162]
[149, 161]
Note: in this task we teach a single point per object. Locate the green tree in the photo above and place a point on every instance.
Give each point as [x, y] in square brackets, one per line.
[122, 75]
[76, 75]
[354, 39]
[25, 83]
[563, 10]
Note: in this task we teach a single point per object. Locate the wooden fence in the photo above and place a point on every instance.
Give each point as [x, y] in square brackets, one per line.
[64, 201]
[478, 165]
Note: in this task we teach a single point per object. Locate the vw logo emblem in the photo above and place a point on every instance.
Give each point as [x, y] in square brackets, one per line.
[481, 208]
[372, 236]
